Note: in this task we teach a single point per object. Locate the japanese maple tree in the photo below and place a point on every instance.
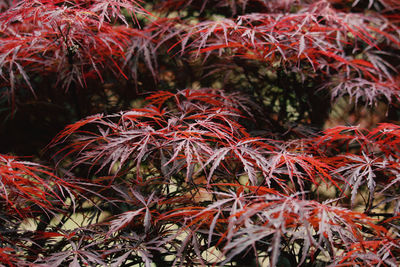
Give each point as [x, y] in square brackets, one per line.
[194, 133]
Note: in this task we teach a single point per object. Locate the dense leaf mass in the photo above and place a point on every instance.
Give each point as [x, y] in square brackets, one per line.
[204, 138]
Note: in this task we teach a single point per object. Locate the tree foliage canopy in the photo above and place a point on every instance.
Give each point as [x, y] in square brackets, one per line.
[195, 133]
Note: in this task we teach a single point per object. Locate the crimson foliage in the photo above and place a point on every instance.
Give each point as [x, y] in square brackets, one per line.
[226, 161]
